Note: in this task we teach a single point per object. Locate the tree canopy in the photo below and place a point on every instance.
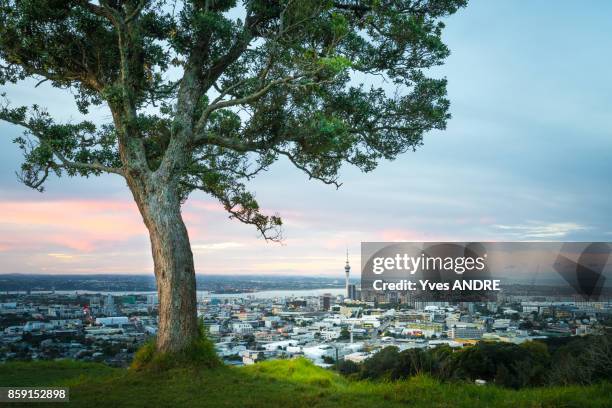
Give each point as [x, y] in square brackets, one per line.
[205, 94]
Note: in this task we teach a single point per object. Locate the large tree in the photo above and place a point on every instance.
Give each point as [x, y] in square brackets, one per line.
[204, 94]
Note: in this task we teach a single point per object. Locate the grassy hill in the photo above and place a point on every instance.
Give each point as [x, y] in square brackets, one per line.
[283, 383]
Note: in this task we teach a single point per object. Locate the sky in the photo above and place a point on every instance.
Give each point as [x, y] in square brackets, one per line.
[526, 156]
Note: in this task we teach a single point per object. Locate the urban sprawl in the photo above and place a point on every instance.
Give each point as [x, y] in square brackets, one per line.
[324, 328]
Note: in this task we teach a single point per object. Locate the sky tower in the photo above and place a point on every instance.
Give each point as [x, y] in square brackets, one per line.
[347, 270]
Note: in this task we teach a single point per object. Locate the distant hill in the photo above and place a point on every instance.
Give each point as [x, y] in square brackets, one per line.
[127, 283]
[280, 383]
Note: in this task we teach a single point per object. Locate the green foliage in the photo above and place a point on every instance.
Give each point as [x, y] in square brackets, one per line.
[381, 364]
[531, 364]
[201, 354]
[287, 383]
[144, 355]
[487, 360]
[335, 64]
[33, 373]
[583, 360]
[345, 334]
[347, 367]
[176, 76]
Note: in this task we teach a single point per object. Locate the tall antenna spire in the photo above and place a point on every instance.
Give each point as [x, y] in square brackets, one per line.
[347, 271]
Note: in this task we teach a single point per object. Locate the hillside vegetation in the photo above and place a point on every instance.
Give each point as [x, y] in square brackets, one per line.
[281, 383]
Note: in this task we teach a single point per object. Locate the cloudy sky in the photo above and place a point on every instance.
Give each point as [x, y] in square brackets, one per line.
[526, 156]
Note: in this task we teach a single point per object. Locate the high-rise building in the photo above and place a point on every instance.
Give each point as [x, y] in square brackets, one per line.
[327, 301]
[352, 292]
[152, 300]
[109, 305]
[95, 301]
[347, 270]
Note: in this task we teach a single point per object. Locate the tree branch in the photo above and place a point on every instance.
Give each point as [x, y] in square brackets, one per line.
[242, 207]
[30, 178]
[309, 172]
[87, 166]
[219, 104]
[6, 115]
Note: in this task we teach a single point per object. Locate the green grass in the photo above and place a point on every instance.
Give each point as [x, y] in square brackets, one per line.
[282, 383]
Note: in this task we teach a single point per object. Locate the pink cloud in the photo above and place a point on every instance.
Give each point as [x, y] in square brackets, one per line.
[79, 225]
[207, 205]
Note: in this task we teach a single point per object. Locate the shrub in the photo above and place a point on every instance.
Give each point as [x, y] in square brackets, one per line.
[347, 367]
[201, 353]
[144, 355]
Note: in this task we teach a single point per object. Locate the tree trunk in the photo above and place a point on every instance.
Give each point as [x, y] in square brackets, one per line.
[173, 262]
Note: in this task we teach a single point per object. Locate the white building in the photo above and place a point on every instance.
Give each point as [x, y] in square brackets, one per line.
[328, 335]
[242, 328]
[280, 345]
[357, 357]
[112, 321]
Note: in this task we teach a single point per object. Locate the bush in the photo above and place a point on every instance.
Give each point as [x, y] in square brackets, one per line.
[347, 367]
[584, 360]
[201, 353]
[381, 365]
[144, 355]
[506, 364]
